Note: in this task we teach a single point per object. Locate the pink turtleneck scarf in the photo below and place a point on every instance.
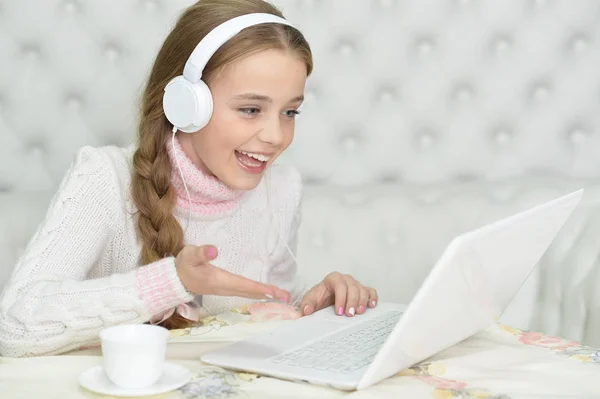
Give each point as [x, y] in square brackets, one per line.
[209, 195]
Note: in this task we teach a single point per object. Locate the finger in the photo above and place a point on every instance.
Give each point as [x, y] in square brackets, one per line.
[373, 297]
[230, 284]
[352, 297]
[317, 298]
[205, 254]
[277, 293]
[363, 300]
[309, 303]
[337, 284]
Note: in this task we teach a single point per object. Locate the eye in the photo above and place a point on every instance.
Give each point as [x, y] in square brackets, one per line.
[292, 113]
[249, 111]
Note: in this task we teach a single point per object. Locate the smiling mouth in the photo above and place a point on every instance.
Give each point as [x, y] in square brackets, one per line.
[251, 162]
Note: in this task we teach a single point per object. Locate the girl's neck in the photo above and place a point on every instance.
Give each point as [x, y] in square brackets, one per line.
[208, 194]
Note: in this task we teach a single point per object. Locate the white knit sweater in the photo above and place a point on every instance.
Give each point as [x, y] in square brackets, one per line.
[81, 270]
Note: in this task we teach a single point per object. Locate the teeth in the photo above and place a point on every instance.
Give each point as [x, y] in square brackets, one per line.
[260, 157]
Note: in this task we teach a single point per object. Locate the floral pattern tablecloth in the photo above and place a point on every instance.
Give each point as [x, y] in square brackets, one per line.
[498, 363]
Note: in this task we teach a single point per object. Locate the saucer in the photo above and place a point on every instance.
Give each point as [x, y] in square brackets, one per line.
[173, 377]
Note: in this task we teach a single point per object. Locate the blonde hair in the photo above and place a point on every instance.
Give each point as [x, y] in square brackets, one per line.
[159, 232]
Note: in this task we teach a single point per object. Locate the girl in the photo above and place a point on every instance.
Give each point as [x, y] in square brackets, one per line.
[129, 236]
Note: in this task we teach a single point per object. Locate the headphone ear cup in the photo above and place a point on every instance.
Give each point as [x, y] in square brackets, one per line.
[186, 105]
[205, 104]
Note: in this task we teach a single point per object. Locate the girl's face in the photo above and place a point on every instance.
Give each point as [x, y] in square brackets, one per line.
[255, 105]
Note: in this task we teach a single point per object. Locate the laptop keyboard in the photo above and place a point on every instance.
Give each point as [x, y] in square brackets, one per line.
[344, 351]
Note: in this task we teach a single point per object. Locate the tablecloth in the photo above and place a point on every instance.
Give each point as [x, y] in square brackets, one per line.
[498, 363]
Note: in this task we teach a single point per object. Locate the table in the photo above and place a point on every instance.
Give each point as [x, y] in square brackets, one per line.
[498, 363]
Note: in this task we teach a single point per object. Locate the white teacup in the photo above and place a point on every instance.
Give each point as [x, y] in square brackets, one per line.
[134, 354]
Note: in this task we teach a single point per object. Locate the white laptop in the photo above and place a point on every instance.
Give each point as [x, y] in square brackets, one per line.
[467, 291]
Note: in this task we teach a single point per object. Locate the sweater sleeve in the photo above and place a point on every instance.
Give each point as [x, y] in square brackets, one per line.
[49, 305]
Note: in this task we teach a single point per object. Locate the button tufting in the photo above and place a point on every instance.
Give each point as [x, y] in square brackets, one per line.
[36, 147]
[150, 5]
[71, 6]
[463, 92]
[74, 102]
[502, 44]
[425, 45]
[386, 95]
[431, 197]
[540, 3]
[540, 91]
[425, 139]
[115, 137]
[577, 135]
[346, 48]
[31, 51]
[112, 52]
[392, 239]
[579, 43]
[316, 180]
[389, 178]
[350, 141]
[502, 136]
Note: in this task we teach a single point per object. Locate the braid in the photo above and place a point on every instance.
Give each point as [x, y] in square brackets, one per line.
[158, 230]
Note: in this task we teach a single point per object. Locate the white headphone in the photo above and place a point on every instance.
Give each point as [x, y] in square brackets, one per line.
[187, 100]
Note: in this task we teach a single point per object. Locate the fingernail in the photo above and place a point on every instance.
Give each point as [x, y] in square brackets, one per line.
[269, 296]
[305, 308]
[341, 311]
[211, 252]
[374, 303]
[361, 308]
[351, 311]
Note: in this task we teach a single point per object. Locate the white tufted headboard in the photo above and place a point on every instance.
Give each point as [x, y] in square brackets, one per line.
[424, 118]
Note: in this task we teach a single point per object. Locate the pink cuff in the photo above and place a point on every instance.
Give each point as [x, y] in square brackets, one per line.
[159, 286]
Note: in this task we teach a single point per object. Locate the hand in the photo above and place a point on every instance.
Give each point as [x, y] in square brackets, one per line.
[201, 278]
[342, 290]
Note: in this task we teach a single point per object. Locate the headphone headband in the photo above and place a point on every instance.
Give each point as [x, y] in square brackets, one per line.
[218, 36]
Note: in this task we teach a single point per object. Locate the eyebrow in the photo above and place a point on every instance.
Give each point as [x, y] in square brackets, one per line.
[260, 97]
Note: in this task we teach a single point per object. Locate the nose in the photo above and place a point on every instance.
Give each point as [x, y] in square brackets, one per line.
[272, 132]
